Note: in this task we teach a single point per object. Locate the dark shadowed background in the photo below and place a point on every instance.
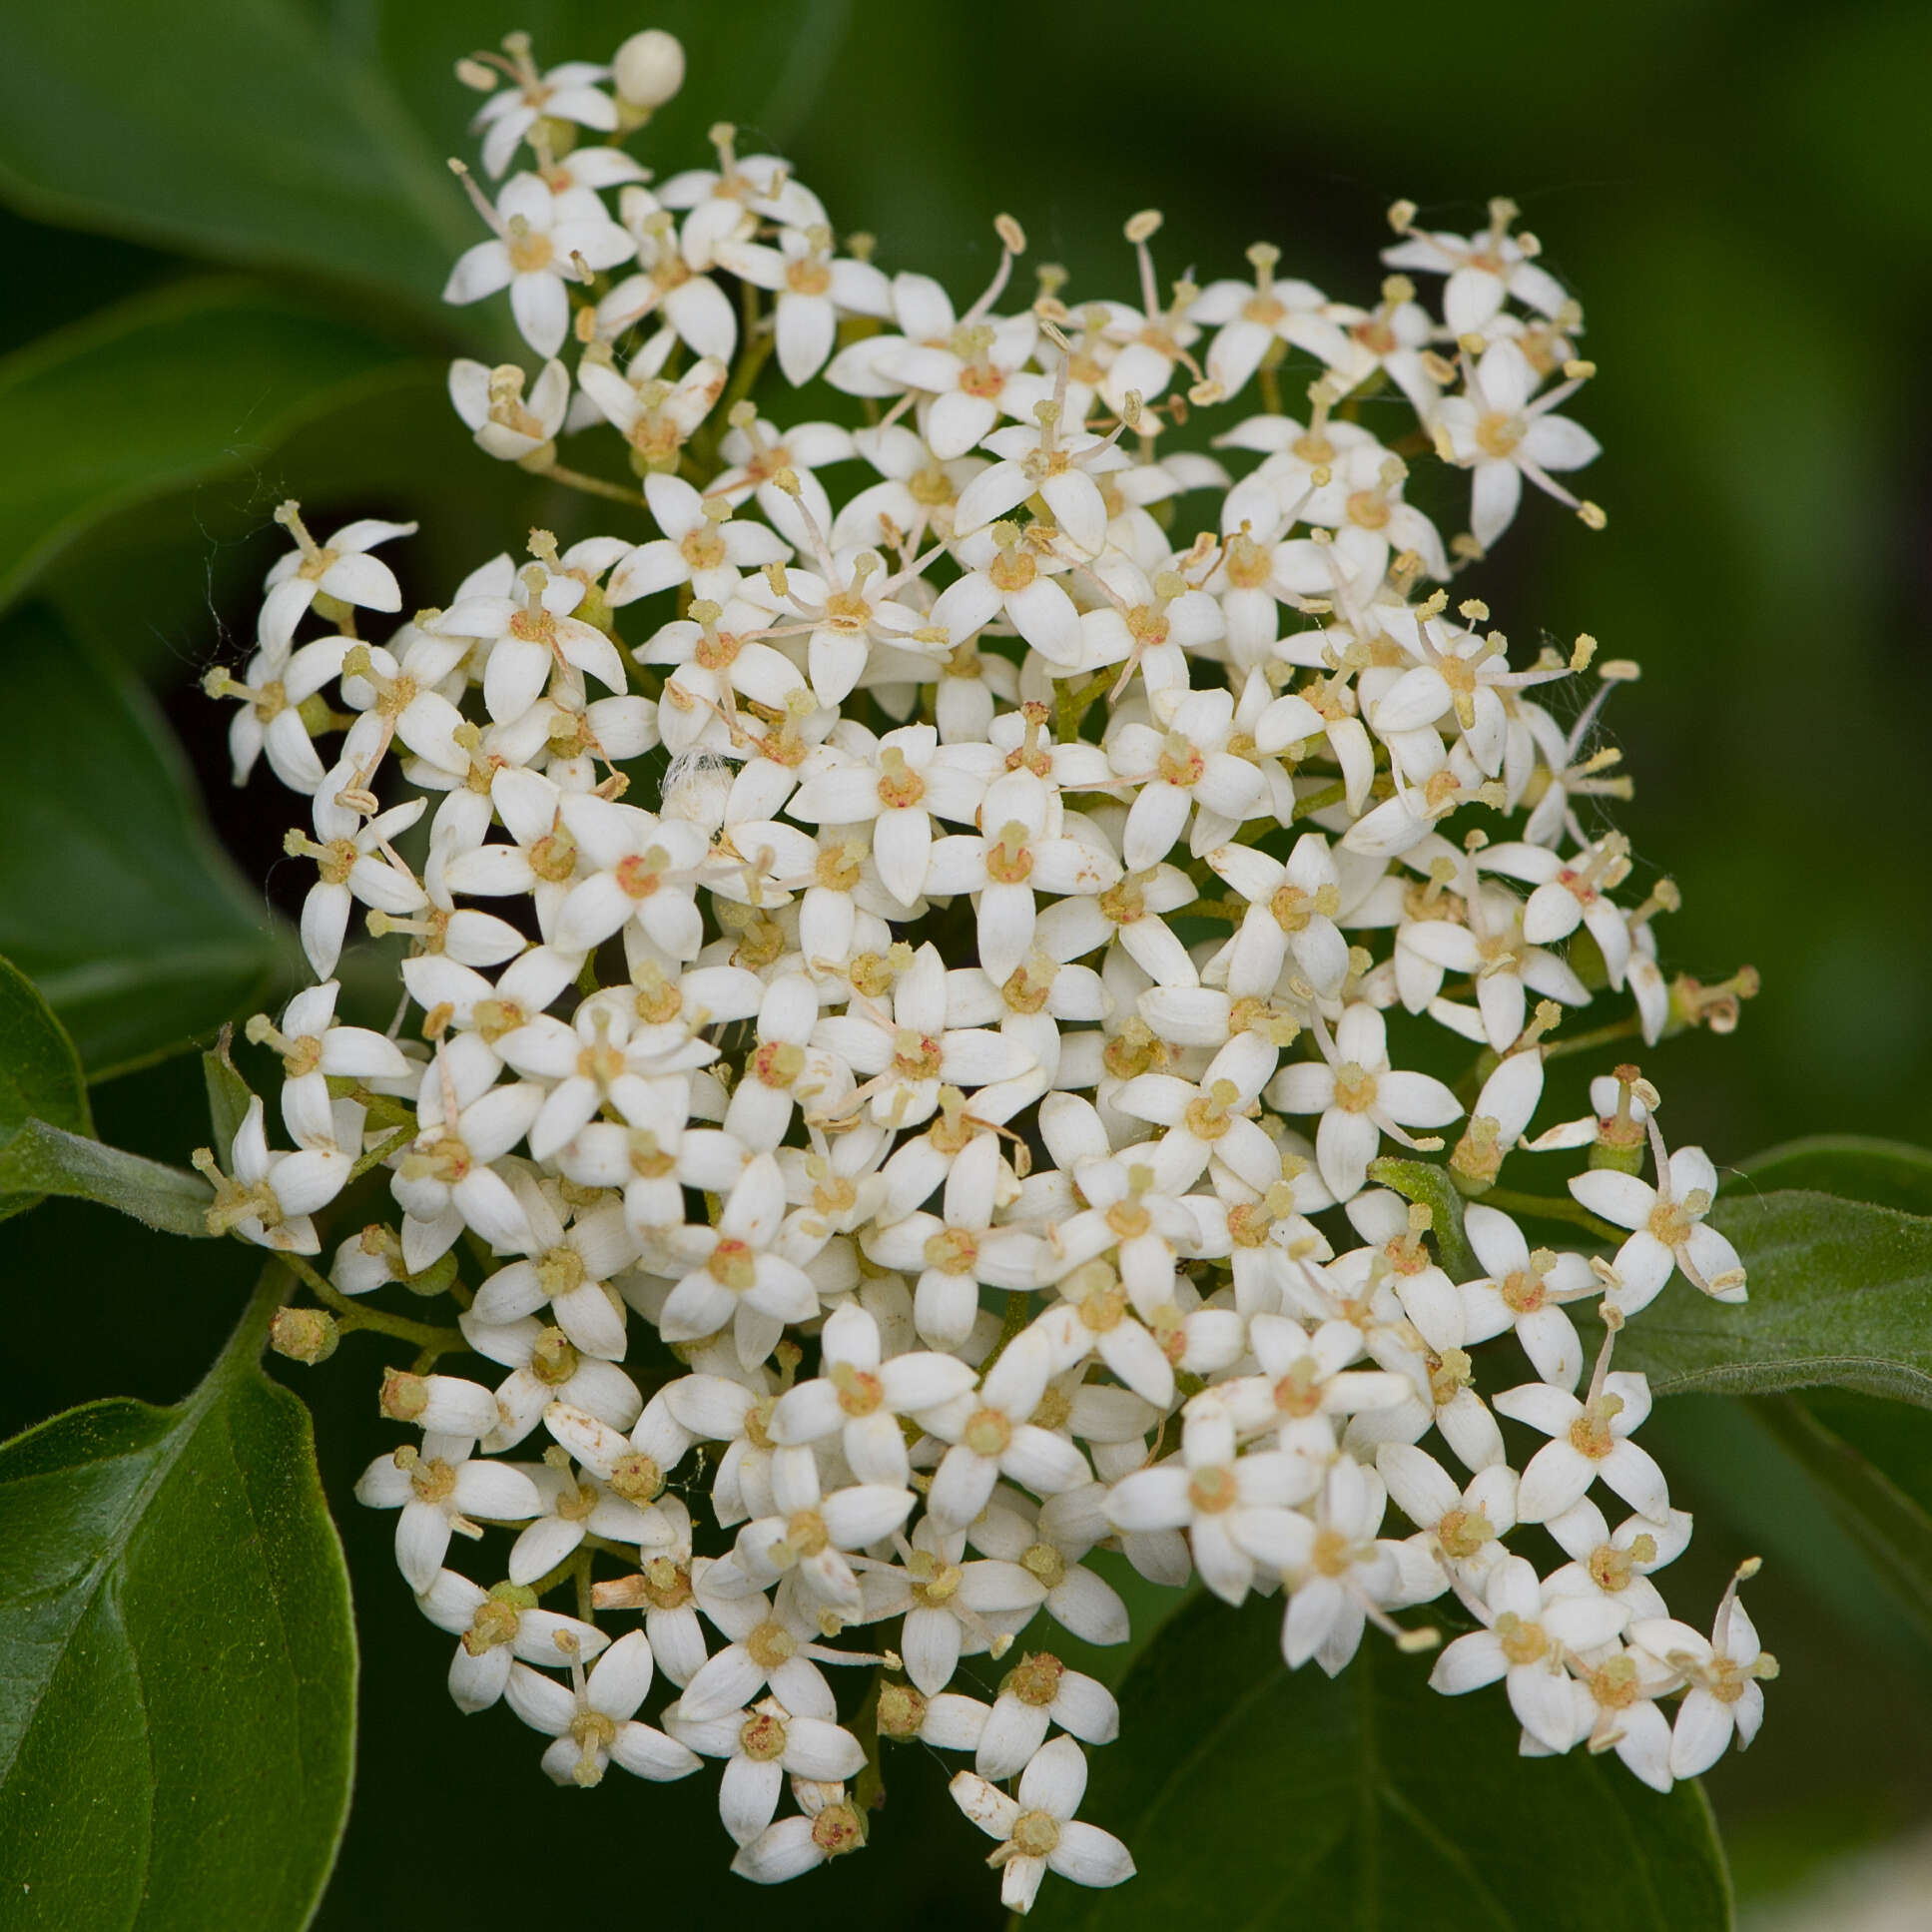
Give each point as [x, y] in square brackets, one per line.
[1742, 198]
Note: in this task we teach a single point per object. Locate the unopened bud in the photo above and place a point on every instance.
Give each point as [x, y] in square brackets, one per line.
[649, 68]
[304, 1334]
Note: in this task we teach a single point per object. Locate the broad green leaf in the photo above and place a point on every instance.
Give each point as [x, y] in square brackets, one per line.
[1840, 1294]
[1256, 1796]
[114, 898]
[197, 381]
[228, 1093]
[277, 134]
[1753, 1494]
[177, 1662]
[40, 1073]
[1896, 1436]
[1891, 1528]
[1860, 1167]
[232, 128]
[38, 1159]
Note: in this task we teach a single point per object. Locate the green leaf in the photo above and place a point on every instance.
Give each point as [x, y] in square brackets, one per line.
[198, 381]
[228, 1093]
[232, 128]
[1256, 1796]
[40, 1160]
[177, 1660]
[285, 135]
[1891, 1528]
[114, 898]
[1858, 1167]
[1431, 1187]
[40, 1073]
[1840, 1294]
[1752, 1494]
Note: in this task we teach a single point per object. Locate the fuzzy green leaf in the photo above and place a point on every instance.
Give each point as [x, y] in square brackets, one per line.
[40, 1160]
[228, 1093]
[1257, 1796]
[1860, 1167]
[295, 137]
[201, 379]
[114, 898]
[177, 1662]
[1890, 1528]
[239, 129]
[1840, 1295]
[39, 1073]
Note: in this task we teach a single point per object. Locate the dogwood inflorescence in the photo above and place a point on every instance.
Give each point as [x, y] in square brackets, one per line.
[917, 956]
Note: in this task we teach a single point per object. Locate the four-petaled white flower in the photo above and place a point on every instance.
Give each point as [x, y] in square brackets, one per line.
[1037, 1830]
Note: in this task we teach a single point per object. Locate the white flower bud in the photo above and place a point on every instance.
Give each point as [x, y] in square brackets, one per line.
[649, 68]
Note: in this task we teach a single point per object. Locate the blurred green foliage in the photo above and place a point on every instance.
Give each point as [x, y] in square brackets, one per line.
[1741, 195]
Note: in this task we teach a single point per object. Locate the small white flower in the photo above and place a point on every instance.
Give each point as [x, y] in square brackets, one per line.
[577, 1504]
[952, 1607]
[739, 1275]
[815, 288]
[772, 1641]
[1484, 270]
[1359, 1097]
[1038, 1692]
[438, 1489]
[594, 1722]
[1526, 1290]
[1528, 1637]
[1233, 1508]
[828, 1826]
[760, 1746]
[1617, 1563]
[569, 92]
[813, 1534]
[1037, 1830]
[1668, 1227]
[992, 1436]
[546, 1366]
[860, 1396]
[1723, 1673]
[508, 425]
[497, 1627]
[341, 568]
[1589, 1442]
[540, 239]
[1342, 1575]
[1463, 1526]
[532, 637]
[355, 860]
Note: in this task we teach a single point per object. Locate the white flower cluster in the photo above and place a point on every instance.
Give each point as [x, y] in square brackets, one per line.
[893, 977]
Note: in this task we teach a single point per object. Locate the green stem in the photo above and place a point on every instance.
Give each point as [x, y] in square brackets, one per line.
[1074, 704]
[579, 1560]
[273, 1287]
[1597, 1036]
[591, 485]
[1320, 801]
[869, 1790]
[381, 1153]
[352, 1315]
[379, 1107]
[1553, 1207]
